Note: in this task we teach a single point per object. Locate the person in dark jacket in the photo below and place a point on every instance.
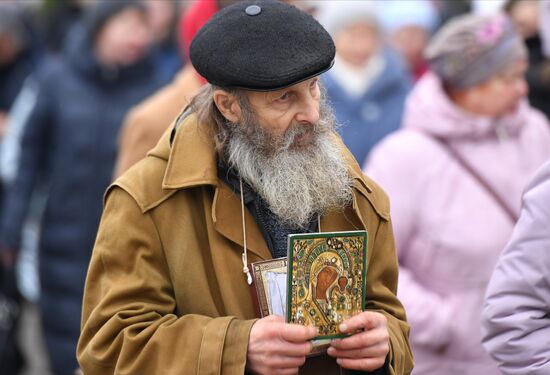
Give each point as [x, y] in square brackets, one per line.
[16, 61]
[369, 81]
[71, 139]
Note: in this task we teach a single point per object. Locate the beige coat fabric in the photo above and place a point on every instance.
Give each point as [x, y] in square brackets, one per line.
[146, 122]
[165, 291]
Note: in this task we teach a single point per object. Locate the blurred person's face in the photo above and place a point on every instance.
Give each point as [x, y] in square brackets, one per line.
[410, 41]
[124, 39]
[161, 15]
[356, 43]
[525, 15]
[502, 94]
[8, 49]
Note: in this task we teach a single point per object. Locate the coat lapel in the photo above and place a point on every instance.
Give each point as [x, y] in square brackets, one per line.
[192, 162]
[226, 213]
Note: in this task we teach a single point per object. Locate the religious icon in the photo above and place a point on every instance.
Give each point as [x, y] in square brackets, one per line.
[326, 279]
[270, 286]
[321, 283]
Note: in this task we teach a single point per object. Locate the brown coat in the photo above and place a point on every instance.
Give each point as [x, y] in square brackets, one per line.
[165, 292]
[146, 122]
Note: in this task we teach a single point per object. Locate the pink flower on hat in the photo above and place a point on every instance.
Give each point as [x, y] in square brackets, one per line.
[490, 32]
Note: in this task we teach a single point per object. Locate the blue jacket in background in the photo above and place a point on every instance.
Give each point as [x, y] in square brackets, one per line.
[70, 144]
[12, 77]
[366, 119]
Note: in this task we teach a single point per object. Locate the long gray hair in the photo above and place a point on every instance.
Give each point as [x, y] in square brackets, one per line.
[207, 112]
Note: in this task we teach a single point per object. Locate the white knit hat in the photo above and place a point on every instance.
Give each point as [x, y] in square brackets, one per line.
[396, 14]
[337, 14]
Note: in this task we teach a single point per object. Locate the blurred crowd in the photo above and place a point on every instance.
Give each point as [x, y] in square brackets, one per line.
[444, 103]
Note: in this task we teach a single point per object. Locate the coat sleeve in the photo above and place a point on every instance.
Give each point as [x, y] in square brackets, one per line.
[129, 321]
[516, 315]
[381, 296]
[382, 278]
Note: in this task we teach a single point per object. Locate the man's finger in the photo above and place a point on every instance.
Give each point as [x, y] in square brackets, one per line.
[364, 320]
[290, 349]
[379, 350]
[361, 340]
[297, 333]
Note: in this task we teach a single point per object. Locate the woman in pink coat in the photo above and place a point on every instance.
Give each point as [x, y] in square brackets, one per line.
[454, 173]
[516, 315]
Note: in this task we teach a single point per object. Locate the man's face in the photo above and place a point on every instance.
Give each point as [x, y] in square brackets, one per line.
[357, 43]
[283, 147]
[124, 39]
[288, 116]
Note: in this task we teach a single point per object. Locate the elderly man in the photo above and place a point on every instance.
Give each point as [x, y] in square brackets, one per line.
[253, 158]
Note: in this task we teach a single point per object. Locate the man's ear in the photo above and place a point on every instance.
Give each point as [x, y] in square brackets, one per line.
[228, 105]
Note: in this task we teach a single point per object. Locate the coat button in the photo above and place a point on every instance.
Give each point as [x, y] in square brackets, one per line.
[253, 10]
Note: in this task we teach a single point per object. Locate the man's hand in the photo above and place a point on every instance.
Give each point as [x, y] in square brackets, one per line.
[368, 347]
[276, 347]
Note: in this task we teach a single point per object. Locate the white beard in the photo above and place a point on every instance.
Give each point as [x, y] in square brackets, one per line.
[296, 182]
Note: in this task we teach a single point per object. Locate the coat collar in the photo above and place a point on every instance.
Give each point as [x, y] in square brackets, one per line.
[192, 162]
[192, 159]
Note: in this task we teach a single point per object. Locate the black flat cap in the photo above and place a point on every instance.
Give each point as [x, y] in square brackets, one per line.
[261, 45]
